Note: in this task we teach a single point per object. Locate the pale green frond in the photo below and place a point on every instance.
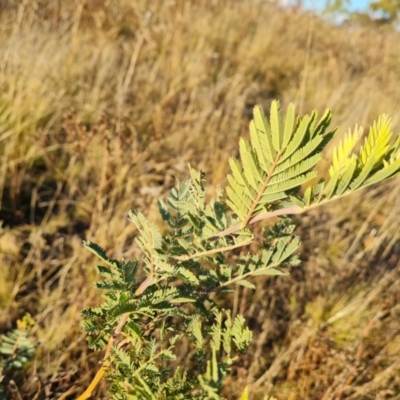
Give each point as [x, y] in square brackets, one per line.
[239, 192]
[276, 125]
[330, 187]
[216, 331]
[300, 155]
[272, 197]
[242, 335]
[267, 198]
[195, 328]
[183, 242]
[246, 157]
[298, 202]
[284, 249]
[100, 253]
[289, 125]
[311, 126]
[215, 370]
[259, 143]
[262, 125]
[376, 143]
[181, 300]
[187, 276]
[245, 236]
[247, 197]
[227, 334]
[308, 195]
[388, 171]
[238, 201]
[150, 238]
[342, 153]
[246, 284]
[266, 256]
[280, 185]
[181, 188]
[314, 194]
[347, 176]
[297, 139]
[238, 175]
[269, 271]
[363, 175]
[310, 148]
[349, 172]
[323, 123]
[280, 158]
[298, 168]
[251, 167]
[164, 212]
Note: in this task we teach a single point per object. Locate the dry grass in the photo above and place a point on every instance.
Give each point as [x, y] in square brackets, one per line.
[155, 85]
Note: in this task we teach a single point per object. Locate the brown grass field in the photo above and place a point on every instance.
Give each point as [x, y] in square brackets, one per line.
[103, 103]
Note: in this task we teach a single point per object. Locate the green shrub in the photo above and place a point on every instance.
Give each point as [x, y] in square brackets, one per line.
[166, 302]
[16, 349]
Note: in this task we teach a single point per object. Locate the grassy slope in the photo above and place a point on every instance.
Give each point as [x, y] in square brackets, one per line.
[155, 86]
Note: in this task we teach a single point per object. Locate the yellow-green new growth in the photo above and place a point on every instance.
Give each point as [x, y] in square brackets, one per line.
[280, 159]
[376, 160]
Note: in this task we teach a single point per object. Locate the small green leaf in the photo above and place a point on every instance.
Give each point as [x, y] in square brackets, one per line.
[246, 284]
[269, 271]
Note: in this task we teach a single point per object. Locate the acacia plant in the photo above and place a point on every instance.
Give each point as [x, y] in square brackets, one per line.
[165, 304]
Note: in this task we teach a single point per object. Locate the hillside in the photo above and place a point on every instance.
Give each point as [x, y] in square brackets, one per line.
[103, 103]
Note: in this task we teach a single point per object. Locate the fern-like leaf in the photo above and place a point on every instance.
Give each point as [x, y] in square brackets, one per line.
[278, 160]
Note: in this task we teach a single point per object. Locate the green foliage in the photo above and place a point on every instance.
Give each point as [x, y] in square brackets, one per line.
[383, 11]
[157, 307]
[389, 8]
[16, 349]
[334, 6]
[279, 159]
